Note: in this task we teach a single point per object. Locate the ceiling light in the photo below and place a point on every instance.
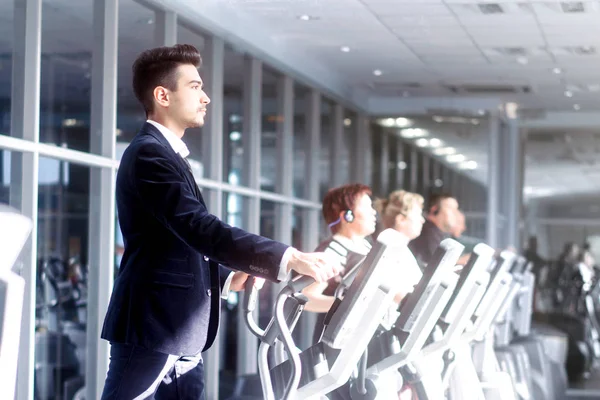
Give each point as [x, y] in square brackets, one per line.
[411, 133]
[577, 107]
[438, 119]
[347, 122]
[422, 142]
[70, 122]
[377, 72]
[402, 165]
[402, 122]
[468, 165]
[435, 142]
[481, 112]
[345, 49]
[150, 21]
[474, 121]
[235, 136]
[568, 93]
[444, 151]
[557, 71]
[522, 60]
[305, 17]
[388, 122]
[594, 87]
[572, 6]
[454, 158]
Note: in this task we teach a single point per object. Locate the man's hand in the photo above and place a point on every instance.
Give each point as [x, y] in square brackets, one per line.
[320, 266]
[238, 282]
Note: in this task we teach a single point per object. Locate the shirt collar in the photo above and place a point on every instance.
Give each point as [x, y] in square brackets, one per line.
[178, 146]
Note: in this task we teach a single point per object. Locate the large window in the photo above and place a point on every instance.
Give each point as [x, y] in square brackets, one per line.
[327, 127]
[270, 121]
[5, 179]
[7, 32]
[136, 34]
[194, 137]
[67, 33]
[61, 296]
[233, 133]
[300, 139]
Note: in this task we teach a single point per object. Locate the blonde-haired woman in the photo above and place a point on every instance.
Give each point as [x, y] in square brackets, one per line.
[403, 212]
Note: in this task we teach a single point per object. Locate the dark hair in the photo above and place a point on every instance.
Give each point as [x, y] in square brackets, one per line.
[340, 199]
[158, 67]
[435, 201]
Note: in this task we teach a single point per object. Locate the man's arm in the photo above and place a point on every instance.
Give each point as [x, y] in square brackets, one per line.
[166, 194]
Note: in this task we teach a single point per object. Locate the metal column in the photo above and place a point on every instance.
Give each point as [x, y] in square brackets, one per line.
[400, 158]
[25, 124]
[285, 163]
[165, 30]
[384, 175]
[413, 165]
[102, 189]
[310, 228]
[212, 74]
[337, 146]
[493, 188]
[514, 185]
[426, 171]
[252, 128]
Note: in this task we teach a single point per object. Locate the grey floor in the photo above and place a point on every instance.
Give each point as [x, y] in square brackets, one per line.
[585, 390]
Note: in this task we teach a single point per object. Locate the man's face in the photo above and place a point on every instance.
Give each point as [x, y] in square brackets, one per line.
[187, 104]
[447, 214]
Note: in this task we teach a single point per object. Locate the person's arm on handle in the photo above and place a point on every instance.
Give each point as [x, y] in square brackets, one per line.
[165, 193]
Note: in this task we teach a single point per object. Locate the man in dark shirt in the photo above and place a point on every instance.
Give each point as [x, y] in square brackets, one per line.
[440, 220]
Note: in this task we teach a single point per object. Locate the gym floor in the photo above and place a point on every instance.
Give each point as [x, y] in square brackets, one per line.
[585, 390]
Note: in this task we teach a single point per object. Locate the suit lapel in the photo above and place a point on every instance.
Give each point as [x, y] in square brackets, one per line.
[189, 175]
[187, 172]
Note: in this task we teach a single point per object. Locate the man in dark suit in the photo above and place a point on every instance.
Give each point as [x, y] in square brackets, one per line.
[164, 309]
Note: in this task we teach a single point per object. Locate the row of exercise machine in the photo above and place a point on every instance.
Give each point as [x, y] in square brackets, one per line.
[459, 335]
[463, 334]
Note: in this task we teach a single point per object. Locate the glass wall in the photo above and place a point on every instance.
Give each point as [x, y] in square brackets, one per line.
[270, 120]
[194, 138]
[233, 123]
[65, 101]
[5, 181]
[327, 127]
[7, 30]
[62, 285]
[69, 195]
[300, 138]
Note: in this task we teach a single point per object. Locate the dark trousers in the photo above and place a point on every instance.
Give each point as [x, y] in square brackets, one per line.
[138, 373]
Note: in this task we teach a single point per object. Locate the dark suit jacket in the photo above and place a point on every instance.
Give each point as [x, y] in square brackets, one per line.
[166, 297]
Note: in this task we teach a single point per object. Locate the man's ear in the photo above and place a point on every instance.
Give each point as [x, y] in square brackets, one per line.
[161, 96]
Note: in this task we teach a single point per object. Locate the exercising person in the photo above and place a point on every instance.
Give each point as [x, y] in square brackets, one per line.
[349, 213]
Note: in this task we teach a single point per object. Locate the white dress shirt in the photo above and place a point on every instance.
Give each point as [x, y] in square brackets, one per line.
[179, 147]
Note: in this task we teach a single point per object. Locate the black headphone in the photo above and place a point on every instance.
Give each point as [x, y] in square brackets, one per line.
[349, 216]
